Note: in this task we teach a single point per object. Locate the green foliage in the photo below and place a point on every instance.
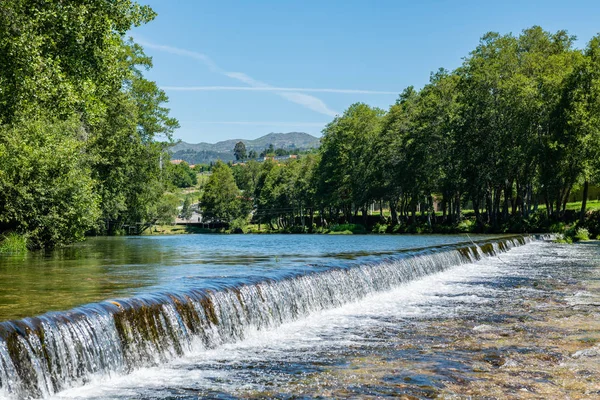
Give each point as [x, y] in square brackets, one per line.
[222, 199]
[465, 226]
[186, 210]
[181, 175]
[238, 225]
[380, 228]
[557, 227]
[239, 151]
[352, 228]
[61, 57]
[166, 209]
[46, 190]
[592, 223]
[96, 163]
[346, 172]
[13, 243]
[576, 234]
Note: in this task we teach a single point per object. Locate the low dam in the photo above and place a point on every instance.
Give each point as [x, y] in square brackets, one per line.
[42, 356]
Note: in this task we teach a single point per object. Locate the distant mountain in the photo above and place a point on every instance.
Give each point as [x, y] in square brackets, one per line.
[209, 152]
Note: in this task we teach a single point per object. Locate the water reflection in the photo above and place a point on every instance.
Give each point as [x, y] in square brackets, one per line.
[102, 267]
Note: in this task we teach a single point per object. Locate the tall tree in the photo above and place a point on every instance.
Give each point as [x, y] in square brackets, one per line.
[222, 199]
[239, 151]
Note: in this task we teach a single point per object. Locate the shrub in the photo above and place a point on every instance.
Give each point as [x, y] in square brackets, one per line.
[581, 234]
[238, 225]
[13, 243]
[353, 228]
[380, 228]
[465, 226]
[577, 234]
[557, 227]
[592, 223]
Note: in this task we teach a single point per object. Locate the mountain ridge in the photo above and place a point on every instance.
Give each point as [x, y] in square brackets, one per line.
[195, 153]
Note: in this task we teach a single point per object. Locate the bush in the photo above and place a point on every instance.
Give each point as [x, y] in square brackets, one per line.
[340, 232]
[238, 225]
[576, 234]
[592, 223]
[581, 234]
[13, 243]
[380, 228]
[557, 227]
[465, 226]
[46, 188]
[353, 228]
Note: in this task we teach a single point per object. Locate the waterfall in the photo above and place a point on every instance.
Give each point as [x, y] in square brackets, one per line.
[42, 355]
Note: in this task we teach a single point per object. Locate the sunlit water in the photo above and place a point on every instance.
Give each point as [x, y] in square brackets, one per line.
[292, 353]
[110, 267]
[267, 362]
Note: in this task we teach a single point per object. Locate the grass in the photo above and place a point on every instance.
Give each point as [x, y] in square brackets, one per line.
[13, 243]
[576, 206]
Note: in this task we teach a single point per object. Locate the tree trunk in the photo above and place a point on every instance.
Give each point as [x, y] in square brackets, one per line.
[584, 201]
[394, 212]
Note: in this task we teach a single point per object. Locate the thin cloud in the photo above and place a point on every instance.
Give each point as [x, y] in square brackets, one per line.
[310, 102]
[264, 123]
[272, 89]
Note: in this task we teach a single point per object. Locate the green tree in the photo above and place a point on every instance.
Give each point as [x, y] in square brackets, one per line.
[46, 191]
[347, 164]
[186, 209]
[181, 175]
[239, 151]
[222, 199]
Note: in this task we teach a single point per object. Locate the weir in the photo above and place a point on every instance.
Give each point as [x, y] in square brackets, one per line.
[43, 355]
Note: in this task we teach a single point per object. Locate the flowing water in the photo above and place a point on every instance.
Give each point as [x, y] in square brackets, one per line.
[244, 316]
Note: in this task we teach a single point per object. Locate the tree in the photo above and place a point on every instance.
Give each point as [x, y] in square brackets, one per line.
[346, 167]
[63, 57]
[222, 199]
[181, 175]
[46, 192]
[239, 151]
[186, 209]
[581, 107]
[71, 60]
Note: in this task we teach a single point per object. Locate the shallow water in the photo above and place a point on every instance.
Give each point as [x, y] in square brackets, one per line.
[112, 267]
[399, 342]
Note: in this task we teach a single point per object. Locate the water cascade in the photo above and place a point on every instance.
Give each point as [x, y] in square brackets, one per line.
[43, 355]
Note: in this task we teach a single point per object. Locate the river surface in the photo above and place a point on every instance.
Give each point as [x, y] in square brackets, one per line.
[113, 267]
[406, 342]
[309, 317]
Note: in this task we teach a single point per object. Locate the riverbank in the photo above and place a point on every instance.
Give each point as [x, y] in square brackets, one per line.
[570, 228]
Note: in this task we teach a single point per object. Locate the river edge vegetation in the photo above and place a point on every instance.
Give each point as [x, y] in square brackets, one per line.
[84, 139]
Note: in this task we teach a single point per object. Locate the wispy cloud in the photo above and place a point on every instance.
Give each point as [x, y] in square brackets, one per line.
[264, 123]
[308, 101]
[272, 89]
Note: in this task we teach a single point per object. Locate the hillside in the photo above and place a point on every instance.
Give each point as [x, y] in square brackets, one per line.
[208, 152]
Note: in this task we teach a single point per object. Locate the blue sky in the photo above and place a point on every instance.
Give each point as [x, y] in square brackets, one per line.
[242, 69]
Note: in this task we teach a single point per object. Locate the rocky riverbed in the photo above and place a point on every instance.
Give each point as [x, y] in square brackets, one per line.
[537, 336]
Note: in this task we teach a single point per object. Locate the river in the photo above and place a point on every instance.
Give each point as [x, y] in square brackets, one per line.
[277, 315]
